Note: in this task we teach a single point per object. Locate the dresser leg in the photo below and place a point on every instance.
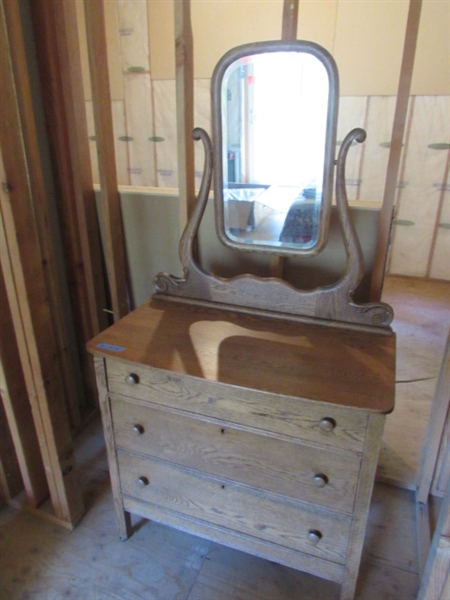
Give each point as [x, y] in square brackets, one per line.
[372, 444]
[124, 524]
[123, 517]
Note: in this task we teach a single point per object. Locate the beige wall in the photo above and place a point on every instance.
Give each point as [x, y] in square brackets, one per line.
[432, 65]
[365, 36]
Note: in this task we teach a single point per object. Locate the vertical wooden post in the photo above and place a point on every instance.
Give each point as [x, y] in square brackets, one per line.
[398, 129]
[109, 193]
[288, 32]
[290, 18]
[184, 79]
[23, 267]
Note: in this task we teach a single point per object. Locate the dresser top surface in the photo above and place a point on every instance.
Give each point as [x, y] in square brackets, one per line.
[344, 367]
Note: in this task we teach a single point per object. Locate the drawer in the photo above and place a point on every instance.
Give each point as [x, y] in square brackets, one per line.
[320, 476]
[208, 499]
[318, 422]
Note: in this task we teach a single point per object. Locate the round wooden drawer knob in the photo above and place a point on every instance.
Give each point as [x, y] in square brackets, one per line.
[320, 480]
[132, 379]
[138, 429]
[143, 481]
[314, 536]
[327, 425]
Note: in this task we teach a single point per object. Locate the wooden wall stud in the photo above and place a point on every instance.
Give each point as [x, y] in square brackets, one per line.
[110, 200]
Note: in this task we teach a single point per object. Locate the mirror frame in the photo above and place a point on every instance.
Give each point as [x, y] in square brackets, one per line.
[329, 151]
[272, 296]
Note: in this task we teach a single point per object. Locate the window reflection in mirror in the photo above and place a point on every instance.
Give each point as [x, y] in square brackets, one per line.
[274, 117]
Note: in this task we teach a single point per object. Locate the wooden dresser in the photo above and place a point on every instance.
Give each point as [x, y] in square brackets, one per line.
[254, 432]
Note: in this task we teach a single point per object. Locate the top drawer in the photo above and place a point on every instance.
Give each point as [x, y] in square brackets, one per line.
[308, 420]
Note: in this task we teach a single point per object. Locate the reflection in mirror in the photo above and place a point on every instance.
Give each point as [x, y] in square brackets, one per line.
[275, 146]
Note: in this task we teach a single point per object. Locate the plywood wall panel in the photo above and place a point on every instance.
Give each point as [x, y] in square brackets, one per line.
[419, 201]
[440, 263]
[202, 118]
[166, 131]
[139, 123]
[133, 30]
[121, 144]
[380, 117]
[352, 113]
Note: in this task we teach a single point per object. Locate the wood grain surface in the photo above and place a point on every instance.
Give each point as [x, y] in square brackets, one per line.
[235, 507]
[344, 367]
[282, 416]
[253, 459]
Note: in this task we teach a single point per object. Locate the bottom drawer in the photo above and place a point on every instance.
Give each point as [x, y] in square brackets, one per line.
[236, 507]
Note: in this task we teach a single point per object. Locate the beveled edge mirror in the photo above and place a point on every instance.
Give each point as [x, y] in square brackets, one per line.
[269, 296]
[309, 81]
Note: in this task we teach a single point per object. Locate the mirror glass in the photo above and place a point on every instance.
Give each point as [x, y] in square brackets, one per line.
[276, 108]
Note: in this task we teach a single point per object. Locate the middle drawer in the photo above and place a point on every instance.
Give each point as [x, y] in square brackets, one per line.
[306, 473]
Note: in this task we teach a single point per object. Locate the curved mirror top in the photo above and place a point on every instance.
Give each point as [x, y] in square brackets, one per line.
[275, 129]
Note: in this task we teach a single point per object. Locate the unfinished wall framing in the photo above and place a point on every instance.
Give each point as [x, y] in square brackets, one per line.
[142, 69]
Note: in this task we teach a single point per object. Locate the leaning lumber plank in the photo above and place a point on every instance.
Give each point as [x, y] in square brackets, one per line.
[17, 409]
[109, 192]
[58, 57]
[10, 477]
[40, 192]
[25, 279]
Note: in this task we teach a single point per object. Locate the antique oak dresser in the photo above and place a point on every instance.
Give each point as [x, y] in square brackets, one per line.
[246, 410]
[258, 434]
